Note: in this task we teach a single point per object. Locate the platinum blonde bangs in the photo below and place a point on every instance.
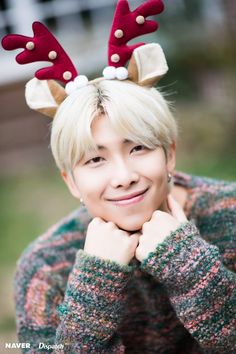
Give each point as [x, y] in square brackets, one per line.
[138, 114]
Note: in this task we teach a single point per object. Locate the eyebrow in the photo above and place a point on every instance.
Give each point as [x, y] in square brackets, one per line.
[125, 141]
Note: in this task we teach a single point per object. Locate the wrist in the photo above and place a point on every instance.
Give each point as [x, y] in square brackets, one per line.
[165, 252]
[87, 262]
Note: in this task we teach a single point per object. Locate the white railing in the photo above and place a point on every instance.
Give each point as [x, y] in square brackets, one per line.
[19, 14]
[85, 44]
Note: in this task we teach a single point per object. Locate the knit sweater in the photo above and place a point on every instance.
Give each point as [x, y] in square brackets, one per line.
[180, 299]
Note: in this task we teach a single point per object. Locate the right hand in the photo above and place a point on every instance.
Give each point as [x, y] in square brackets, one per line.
[107, 241]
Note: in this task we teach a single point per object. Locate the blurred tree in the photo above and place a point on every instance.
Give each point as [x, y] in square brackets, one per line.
[193, 9]
[229, 8]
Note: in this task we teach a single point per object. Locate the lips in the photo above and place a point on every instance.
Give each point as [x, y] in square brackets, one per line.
[128, 196]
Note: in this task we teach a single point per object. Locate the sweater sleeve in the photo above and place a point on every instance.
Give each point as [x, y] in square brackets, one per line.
[65, 308]
[81, 318]
[201, 289]
[93, 306]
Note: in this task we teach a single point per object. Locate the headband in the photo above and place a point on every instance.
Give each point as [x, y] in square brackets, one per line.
[52, 84]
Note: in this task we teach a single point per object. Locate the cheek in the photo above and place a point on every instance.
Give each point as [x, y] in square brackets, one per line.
[156, 173]
[155, 168]
[160, 189]
[91, 185]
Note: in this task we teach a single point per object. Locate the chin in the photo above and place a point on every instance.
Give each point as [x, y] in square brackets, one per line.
[131, 229]
[132, 225]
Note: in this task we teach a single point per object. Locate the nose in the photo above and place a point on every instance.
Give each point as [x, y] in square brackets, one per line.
[123, 175]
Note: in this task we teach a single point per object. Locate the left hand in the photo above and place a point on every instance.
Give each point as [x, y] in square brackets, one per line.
[159, 226]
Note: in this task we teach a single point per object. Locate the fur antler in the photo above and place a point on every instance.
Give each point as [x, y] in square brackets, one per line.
[42, 47]
[128, 25]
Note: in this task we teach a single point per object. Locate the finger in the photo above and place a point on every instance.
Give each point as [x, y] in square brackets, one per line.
[138, 254]
[96, 221]
[135, 237]
[175, 209]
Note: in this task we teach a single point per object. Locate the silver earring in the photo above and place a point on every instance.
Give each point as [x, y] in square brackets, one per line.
[169, 177]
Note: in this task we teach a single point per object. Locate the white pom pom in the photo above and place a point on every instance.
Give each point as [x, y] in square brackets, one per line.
[122, 73]
[70, 87]
[81, 81]
[109, 72]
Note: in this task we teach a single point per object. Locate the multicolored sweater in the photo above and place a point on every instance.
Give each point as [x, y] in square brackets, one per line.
[181, 299]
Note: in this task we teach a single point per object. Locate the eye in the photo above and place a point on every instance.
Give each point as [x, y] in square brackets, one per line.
[94, 160]
[138, 148]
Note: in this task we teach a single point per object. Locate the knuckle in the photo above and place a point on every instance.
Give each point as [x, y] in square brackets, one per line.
[110, 224]
[119, 233]
[136, 238]
[141, 241]
[95, 222]
[157, 213]
[96, 219]
[138, 252]
[90, 225]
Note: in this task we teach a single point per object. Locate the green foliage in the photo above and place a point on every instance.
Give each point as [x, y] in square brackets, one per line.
[30, 204]
[7, 324]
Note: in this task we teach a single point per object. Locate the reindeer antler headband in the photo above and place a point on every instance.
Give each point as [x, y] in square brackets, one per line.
[147, 62]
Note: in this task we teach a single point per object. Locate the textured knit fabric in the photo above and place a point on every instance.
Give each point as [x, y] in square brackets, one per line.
[180, 299]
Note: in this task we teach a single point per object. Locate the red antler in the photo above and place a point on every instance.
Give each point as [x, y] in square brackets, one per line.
[128, 25]
[42, 47]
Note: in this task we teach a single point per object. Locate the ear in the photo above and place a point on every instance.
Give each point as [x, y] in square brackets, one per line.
[147, 65]
[171, 158]
[44, 96]
[71, 184]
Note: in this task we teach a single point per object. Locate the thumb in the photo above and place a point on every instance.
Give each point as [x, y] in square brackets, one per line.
[175, 209]
[135, 237]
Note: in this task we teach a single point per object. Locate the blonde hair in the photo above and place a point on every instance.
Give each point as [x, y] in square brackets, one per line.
[138, 114]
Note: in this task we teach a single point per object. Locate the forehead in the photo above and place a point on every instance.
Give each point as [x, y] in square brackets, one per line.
[104, 133]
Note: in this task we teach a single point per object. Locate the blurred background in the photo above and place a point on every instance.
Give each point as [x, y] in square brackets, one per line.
[198, 38]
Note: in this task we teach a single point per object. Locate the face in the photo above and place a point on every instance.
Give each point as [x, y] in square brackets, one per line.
[122, 181]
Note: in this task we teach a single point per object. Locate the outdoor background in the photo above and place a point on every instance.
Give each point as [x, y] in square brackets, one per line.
[198, 38]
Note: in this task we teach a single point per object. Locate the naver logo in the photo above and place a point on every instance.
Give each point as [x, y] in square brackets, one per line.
[16, 345]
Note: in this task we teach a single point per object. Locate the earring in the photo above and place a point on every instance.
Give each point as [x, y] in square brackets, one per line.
[81, 201]
[169, 177]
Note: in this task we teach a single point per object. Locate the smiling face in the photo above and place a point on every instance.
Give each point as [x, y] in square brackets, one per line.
[122, 182]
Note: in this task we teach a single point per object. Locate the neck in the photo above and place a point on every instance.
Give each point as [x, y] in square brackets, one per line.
[179, 193]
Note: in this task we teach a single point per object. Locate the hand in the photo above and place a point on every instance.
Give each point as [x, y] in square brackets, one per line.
[159, 226]
[107, 241]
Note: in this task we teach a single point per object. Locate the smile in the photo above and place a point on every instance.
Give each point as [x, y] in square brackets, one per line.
[129, 199]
